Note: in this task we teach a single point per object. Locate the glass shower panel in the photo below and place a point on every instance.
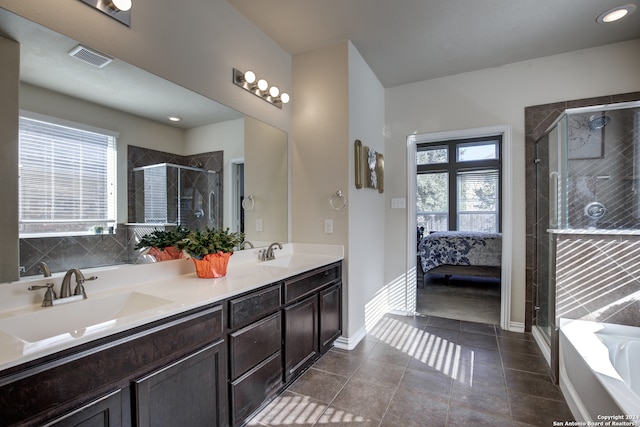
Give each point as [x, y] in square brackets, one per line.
[602, 163]
[548, 218]
[171, 194]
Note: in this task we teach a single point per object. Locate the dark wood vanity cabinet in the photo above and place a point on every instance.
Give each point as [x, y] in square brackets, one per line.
[278, 331]
[255, 351]
[119, 379]
[301, 336]
[330, 310]
[189, 392]
[216, 365]
[313, 316]
[103, 412]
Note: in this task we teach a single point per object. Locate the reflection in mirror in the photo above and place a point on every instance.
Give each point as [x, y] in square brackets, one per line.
[136, 105]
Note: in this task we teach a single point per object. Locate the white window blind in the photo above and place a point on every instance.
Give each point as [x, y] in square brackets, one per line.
[67, 178]
[478, 200]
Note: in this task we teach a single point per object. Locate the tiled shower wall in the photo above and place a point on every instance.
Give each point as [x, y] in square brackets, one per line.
[63, 253]
[537, 120]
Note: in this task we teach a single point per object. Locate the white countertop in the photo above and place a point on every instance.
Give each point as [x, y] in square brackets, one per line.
[125, 297]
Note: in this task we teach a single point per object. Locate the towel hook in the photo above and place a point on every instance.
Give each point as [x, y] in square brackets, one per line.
[338, 201]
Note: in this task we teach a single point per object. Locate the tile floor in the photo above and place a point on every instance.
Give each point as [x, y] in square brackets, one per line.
[424, 371]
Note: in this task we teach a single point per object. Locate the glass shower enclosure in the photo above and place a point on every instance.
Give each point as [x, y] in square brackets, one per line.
[588, 174]
[166, 194]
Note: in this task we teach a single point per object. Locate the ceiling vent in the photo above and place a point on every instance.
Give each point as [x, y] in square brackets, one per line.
[90, 56]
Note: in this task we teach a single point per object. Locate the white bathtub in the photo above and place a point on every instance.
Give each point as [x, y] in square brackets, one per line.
[600, 371]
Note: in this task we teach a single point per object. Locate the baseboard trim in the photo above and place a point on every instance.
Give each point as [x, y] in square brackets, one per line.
[516, 327]
[349, 343]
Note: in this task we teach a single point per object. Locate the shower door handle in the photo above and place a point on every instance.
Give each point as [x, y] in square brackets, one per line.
[554, 183]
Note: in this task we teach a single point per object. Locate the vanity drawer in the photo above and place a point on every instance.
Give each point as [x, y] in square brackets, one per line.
[251, 345]
[250, 391]
[305, 284]
[254, 306]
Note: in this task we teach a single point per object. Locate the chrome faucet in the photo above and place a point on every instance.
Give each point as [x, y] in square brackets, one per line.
[246, 242]
[268, 255]
[43, 268]
[65, 288]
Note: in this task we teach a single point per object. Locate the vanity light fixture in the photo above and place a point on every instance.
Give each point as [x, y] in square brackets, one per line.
[120, 10]
[615, 14]
[260, 88]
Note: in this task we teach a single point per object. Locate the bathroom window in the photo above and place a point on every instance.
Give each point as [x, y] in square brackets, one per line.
[458, 185]
[67, 182]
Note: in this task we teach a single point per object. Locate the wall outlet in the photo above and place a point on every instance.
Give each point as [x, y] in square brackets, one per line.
[328, 226]
[259, 225]
[398, 203]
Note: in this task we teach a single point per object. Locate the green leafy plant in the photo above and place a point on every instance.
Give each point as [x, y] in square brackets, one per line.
[198, 243]
[162, 239]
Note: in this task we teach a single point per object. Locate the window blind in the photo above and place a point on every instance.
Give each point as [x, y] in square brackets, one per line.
[478, 200]
[67, 177]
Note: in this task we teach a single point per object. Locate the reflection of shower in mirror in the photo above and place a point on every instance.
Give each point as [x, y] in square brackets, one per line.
[166, 193]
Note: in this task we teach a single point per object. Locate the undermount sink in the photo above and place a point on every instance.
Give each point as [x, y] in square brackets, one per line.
[79, 318]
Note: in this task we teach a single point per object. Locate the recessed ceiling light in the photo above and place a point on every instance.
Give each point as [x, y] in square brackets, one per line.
[616, 13]
[174, 118]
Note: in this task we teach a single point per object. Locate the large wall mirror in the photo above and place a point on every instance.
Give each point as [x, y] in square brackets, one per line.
[247, 157]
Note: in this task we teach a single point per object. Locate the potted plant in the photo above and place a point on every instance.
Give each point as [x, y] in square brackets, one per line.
[162, 243]
[210, 250]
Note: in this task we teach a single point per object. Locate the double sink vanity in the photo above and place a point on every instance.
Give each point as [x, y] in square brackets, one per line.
[152, 345]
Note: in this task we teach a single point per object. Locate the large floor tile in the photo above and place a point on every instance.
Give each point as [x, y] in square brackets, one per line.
[538, 411]
[414, 410]
[319, 385]
[364, 398]
[290, 409]
[339, 363]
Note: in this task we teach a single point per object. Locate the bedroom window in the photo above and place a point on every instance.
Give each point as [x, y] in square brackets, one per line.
[67, 182]
[458, 185]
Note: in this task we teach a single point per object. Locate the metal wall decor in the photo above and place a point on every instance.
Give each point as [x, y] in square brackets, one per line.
[369, 167]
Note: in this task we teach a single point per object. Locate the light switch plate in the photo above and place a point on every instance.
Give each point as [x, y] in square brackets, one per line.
[398, 203]
[328, 226]
[259, 225]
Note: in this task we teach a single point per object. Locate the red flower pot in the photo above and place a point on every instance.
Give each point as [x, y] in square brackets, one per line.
[212, 265]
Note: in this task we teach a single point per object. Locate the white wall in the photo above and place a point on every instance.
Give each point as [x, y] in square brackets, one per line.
[495, 96]
[368, 298]
[265, 176]
[229, 137]
[339, 100]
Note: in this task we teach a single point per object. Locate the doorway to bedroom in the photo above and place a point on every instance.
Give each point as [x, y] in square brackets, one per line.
[458, 224]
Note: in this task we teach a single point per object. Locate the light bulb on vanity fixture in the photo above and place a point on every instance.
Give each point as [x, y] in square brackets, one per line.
[119, 10]
[260, 87]
[120, 5]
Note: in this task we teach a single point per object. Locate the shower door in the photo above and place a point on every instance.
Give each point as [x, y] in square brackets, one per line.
[548, 186]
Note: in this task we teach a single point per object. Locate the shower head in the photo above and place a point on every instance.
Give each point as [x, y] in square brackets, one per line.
[598, 122]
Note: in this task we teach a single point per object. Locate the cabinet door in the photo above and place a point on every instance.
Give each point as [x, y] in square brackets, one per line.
[301, 335]
[251, 390]
[330, 316]
[189, 392]
[104, 412]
